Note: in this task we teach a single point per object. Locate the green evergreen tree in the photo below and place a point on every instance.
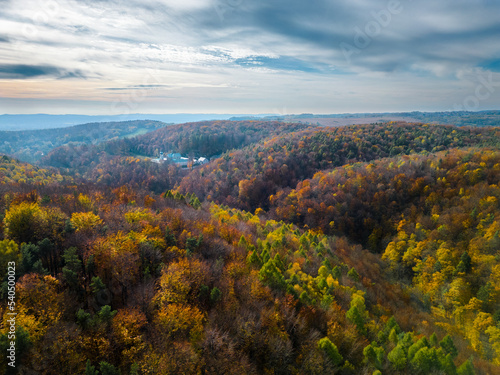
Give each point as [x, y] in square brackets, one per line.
[484, 295]
[374, 354]
[336, 273]
[389, 326]
[353, 274]
[447, 364]
[72, 267]
[272, 276]
[467, 368]
[106, 314]
[30, 253]
[416, 347]
[97, 285]
[356, 318]
[433, 339]
[331, 351]
[134, 369]
[357, 313]
[108, 369]
[83, 319]
[254, 259]
[170, 239]
[393, 337]
[465, 264]
[90, 370]
[215, 295]
[243, 242]
[195, 202]
[426, 361]
[304, 298]
[448, 346]
[398, 357]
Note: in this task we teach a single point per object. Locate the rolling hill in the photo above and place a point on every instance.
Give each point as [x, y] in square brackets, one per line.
[32, 145]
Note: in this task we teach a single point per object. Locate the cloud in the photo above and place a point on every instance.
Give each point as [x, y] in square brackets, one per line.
[308, 33]
[413, 28]
[283, 63]
[136, 87]
[20, 71]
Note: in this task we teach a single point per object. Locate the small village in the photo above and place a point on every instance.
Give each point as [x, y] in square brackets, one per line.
[179, 160]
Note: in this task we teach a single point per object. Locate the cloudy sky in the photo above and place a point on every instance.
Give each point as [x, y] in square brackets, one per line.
[248, 56]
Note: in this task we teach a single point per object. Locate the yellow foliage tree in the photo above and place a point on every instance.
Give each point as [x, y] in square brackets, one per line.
[85, 221]
[9, 252]
[179, 321]
[180, 282]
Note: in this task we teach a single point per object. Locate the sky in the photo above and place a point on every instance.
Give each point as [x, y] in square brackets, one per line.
[110, 57]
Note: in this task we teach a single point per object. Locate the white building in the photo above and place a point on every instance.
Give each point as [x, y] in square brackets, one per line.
[172, 157]
[201, 161]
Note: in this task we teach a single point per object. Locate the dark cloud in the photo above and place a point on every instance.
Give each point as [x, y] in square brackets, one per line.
[452, 48]
[422, 31]
[315, 21]
[4, 39]
[20, 71]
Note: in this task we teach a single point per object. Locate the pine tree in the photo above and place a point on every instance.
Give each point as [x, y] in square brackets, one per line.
[448, 346]
[108, 369]
[398, 358]
[72, 267]
[465, 264]
[330, 349]
[90, 370]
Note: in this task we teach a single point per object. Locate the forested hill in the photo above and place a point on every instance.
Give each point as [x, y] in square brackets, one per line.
[199, 139]
[14, 172]
[435, 219]
[246, 178]
[264, 157]
[32, 145]
[127, 282]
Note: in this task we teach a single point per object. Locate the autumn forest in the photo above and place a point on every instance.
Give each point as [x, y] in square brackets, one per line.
[298, 249]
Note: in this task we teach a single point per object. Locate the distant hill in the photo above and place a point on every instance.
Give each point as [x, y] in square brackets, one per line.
[458, 118]
[32, 145]
[463, 118]
[44, 121]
